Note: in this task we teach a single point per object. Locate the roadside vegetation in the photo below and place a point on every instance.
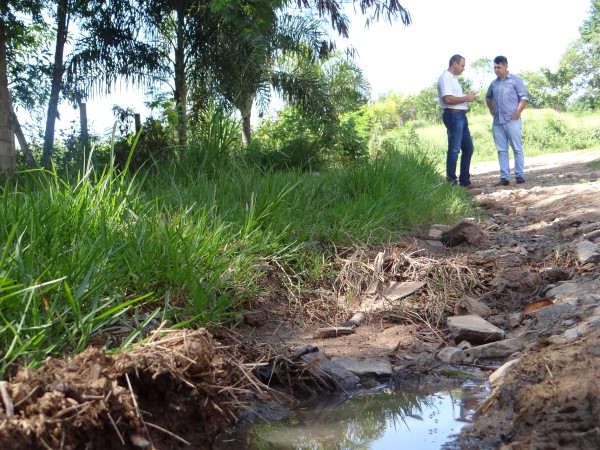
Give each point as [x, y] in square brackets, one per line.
[100, 256]
[177, 223]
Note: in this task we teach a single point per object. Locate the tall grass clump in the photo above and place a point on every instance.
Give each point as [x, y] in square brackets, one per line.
[97, 259]
[60, 260]
[104, 256]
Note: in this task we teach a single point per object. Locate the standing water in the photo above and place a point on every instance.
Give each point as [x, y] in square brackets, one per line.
[376, 419]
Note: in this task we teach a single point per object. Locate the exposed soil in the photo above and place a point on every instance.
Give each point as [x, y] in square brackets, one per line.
[180, 389]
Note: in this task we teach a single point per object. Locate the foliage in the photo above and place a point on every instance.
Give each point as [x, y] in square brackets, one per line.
[346, 83]
[552, 132]
[106, 254]
[544, 131]
[295, 140]
[215, 138]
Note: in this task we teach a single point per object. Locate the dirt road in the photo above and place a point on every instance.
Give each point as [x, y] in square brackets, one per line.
[549, 398]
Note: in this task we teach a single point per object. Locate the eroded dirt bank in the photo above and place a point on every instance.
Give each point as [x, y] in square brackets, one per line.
[182, 388]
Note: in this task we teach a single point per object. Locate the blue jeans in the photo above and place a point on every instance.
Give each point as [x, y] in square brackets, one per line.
[509, 133]
[459, 138]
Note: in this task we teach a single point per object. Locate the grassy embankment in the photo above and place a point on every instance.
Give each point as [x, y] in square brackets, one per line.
[99, 258]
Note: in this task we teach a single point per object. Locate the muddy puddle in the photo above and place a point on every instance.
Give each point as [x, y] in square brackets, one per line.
[380, 418]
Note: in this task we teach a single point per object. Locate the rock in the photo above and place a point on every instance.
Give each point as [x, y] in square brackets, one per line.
[343, 377]
[464, 345]
[517, 279]
[577, 331]
[587, 252]
[573, 289]
[434, 233]
[464, 231]
[365, 367]
[437, 244]
[498, 375]
[554, 274]
[474, 329]
[498, 349]
[554, 316]
[514, 319]
[468, 305]
[506, 320]
[592, 234]
[451, 355]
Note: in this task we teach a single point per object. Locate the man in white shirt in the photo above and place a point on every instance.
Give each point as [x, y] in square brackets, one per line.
[454, 104]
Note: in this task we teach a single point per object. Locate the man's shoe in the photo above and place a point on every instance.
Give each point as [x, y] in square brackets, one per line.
[469, 186]
[520, 180]
[502, 182]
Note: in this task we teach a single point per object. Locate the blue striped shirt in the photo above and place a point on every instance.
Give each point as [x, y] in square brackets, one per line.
[506, 95]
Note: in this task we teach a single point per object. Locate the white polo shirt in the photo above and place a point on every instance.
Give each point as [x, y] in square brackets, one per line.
[448, 85]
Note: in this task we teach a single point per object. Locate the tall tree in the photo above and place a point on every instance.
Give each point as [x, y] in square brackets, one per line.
[7, 143]
[62, 29]
[584, 57]
[276, 53]
[12, 32]
[177, 32]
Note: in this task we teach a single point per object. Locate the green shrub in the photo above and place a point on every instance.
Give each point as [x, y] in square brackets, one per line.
[299, 141]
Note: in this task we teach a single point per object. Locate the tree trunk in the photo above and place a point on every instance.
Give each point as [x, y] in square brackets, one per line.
[246, 111]
[181, 87]
[57, 74]
[8, 159]
[31, 163]
[85, 136]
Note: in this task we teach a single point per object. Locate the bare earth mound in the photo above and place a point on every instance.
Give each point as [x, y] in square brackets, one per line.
[165, 394]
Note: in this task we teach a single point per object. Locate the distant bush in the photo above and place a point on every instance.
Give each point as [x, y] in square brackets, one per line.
[297, 141]
[543, 131]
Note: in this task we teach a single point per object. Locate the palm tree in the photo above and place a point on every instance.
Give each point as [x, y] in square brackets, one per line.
[280, 57]
[280, 52]
[346, 83]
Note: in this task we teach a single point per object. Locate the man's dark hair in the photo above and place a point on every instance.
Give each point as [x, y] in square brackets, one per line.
[455, 59]
[501, 60]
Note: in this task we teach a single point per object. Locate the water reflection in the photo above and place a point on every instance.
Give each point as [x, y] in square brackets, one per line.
[380, 419]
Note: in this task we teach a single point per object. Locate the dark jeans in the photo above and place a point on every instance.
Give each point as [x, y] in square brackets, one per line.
[459, 138]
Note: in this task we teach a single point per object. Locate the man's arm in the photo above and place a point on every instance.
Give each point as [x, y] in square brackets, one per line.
[520, 107]
[453, 100]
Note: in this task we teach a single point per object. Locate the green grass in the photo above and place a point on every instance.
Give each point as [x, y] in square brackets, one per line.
[104, 256]
[101, 257]
[594, 165]
[544, 131]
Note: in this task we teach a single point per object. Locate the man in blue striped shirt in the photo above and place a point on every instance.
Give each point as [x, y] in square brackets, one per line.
[506, 98]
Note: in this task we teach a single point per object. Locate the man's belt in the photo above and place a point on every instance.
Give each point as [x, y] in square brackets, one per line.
[464, 111]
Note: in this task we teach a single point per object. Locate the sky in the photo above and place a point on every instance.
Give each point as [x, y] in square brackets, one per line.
[406, 59]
